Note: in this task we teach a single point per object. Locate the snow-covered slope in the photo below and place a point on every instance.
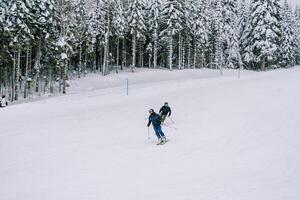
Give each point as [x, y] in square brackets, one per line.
[235, 139]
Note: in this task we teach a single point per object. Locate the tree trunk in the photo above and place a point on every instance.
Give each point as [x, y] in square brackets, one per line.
[183, 54]
[65, 76]
[170, 51]
[141, 57]
[155, 50]
[150, 57]
[189, 54]
[203, 63]
[85, 61]
[118, 51]
[18, 75]
[133, 52]
[195, 55]
[38, 68]
[263, 64]
[51, 80]
[80, 60]
[13, 78]
[123, 54]
[26, 75]
[179, 52]
[105, 58]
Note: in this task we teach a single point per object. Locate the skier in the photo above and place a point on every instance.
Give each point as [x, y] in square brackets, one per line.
[3, 102]
[156, 121]
[164, 112]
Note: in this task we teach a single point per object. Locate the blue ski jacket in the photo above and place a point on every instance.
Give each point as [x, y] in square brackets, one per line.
[154, 119]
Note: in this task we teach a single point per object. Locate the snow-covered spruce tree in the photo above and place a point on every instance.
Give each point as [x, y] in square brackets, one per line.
[120, 30]
[4, 55]
[199, 31]
[17, 19]
[263, 34]
[186, 34]
[243, 16]
[65, 19]
[81, 35]
[136, 25]
[90, 44]
[153, 21]
[230, 34]
[217, 34]
[107, 10]
[43, 28]
[172, 18]
[287, 43]
[97, 32]
[297, 34]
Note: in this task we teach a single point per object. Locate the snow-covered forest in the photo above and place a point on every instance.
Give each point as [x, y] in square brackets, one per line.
[45, 42]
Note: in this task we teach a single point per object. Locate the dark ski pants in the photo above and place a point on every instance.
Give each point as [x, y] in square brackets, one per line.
[163, 118]
[158, 132]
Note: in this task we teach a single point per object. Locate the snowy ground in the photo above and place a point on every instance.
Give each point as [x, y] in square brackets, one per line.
[236, 139]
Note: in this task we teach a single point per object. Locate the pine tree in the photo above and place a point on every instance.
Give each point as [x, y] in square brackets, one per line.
[107, 16]
[288, 46]
[43, 29]
[4, 56]
[137, 26]
[17, 23]
[243, 16]
[263, 34]
[297, 35]
[230, 34]
[81, 34]
[186, 34]
[172, 17]
[154, 17]
[97, 32]
[218, 34]
[65, 39]
[199, 30]
[120, 30]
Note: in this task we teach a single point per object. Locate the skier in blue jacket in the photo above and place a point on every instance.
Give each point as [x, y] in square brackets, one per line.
[155, 119]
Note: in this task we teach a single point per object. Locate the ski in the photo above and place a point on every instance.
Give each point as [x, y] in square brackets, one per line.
[163, 142]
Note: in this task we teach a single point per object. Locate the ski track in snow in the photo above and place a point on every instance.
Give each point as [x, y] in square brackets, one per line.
[235, 139]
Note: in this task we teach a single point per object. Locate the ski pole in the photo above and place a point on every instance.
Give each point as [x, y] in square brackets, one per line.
[171, 120]
[169, 127]
[148, 134]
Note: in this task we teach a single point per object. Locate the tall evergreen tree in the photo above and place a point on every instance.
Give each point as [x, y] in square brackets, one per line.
[18, 18]
[230, 34]
[154, 17]
[120, 31]
[137, 26]
[65, 19]
[172, 16]
[297, 34]
[287, 43]
[243, 16]
[200, 30]
[81, 29]
[263, 33]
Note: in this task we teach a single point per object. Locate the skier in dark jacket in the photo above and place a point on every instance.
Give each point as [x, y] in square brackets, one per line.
[164, 112]
[156, 121]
